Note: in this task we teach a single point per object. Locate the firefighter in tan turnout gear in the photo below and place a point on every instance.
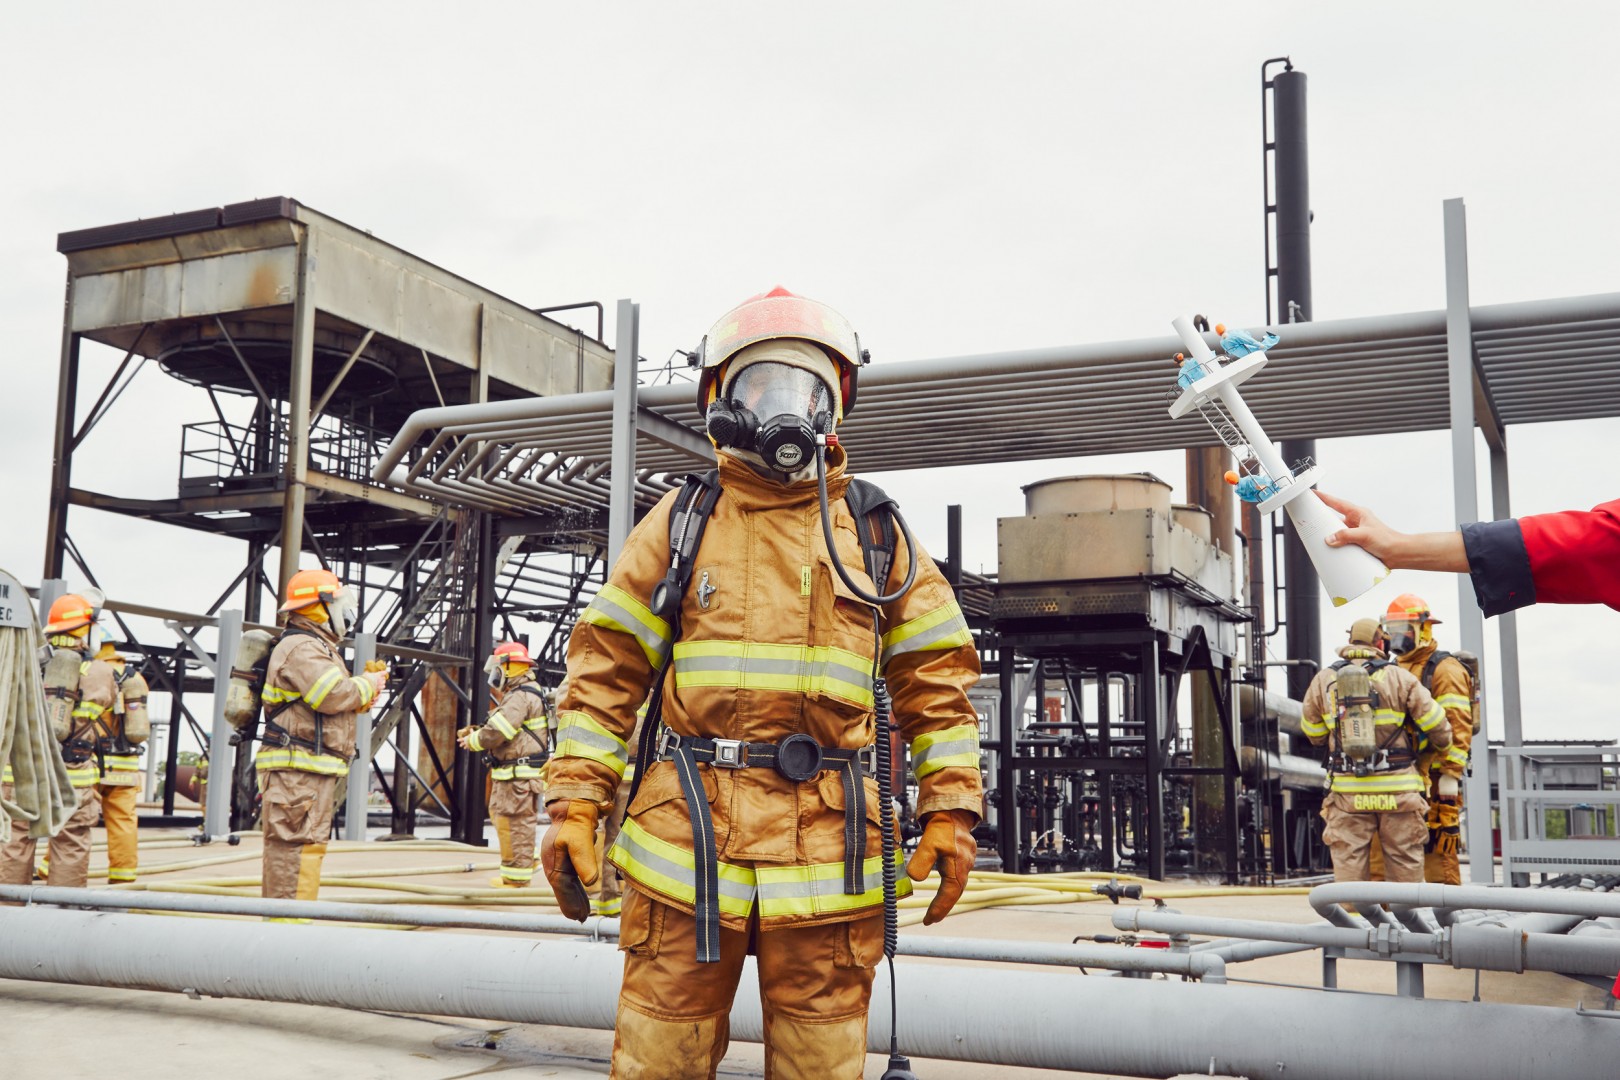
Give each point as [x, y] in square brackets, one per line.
[81, 693]
[310, 704]
[1370, 713]
[121, 735]
[755, 827]
[515, 738]
[1409, 626]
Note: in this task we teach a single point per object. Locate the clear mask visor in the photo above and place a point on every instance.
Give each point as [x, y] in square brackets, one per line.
[770, 389]
[1403, 635]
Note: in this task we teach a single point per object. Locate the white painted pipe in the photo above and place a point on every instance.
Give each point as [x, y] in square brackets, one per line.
[1128, 1027]
[1587, 904]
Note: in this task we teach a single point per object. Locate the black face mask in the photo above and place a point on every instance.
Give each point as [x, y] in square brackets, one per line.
[776, 411]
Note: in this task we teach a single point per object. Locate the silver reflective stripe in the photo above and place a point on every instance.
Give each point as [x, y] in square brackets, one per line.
[642, 856]
[830, 886]
[596, 740]
[650, 640]
[754, 665]
[943, 749]
[920, 641]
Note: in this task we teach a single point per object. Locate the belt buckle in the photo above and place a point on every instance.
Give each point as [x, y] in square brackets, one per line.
[668, 742]
[867, 756]
[728, 753]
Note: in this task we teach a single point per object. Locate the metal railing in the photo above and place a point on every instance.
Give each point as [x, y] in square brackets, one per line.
[1559, 807]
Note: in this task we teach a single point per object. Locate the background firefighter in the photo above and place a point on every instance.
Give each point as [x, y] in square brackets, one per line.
[1383, 796]
[515, 738]
[70, 627]
[121, 734]
[768, 646]
[310, 704]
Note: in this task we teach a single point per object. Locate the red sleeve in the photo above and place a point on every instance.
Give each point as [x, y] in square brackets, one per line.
[1575, 555]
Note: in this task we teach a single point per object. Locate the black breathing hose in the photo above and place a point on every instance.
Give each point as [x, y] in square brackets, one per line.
[832, 548]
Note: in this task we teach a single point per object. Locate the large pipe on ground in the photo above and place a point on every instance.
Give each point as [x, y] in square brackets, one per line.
[1587, 904]
[1035, 1019]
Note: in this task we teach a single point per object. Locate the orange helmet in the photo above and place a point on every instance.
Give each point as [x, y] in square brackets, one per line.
[1407, 623]
[69, 612]
[779, 314]
[513, 652]
[309, 587]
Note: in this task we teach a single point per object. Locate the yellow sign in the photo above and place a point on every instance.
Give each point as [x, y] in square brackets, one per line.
[1376, 802]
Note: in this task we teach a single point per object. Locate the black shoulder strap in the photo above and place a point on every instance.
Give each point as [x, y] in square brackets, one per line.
[530, 688]
[867, 505]
[1337, 664]
[1428, 669]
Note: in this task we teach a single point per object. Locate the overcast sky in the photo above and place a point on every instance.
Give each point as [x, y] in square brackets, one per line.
[955, 178]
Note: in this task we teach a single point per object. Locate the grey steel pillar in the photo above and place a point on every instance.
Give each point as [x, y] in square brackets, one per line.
[296, 468]
[1507, 626]
[1293, 209]
[1151, 711]
[221, 754]
[1008, 821]
[171, 751]
[622, 477]
[1465, 499]
[354, 812]
[67, 397]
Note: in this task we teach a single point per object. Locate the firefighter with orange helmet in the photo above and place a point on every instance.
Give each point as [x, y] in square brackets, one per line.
[121, 734]
[515, 739]
[756, 826]
[308, 741]
[1409, 624]
[86, 704]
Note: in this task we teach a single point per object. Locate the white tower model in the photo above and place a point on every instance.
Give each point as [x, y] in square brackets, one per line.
[1347, 571]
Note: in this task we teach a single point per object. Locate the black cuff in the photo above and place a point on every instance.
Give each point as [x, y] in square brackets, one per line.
[1499, 566]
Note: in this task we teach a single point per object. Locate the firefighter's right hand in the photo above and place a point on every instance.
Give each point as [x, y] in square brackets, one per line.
[568, 855]
[378, 680]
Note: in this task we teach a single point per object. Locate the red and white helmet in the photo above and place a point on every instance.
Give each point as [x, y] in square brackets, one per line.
[513, 652]
[779, 314]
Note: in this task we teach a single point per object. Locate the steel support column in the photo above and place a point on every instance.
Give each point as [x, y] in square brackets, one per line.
[1150, 708]
[354, 812]
[469, 767]
[1507, 626]
[1007, 815]
[1465, 500]
[296, 467]
[622, 476]
[221, 754]
[67, 399]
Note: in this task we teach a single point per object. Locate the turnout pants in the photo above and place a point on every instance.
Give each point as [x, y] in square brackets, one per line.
[815, 983]
[1440, 866]
[119, 816]
[68, 850]
[1351, 831]
[514, 807]
[297, 813]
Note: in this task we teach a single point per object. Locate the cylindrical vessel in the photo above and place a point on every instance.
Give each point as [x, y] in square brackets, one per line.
[1084, 494]
[1347, 571]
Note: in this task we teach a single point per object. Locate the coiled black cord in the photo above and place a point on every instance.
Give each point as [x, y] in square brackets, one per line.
[832, 548]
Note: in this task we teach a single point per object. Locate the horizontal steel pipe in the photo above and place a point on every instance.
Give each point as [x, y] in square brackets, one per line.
[1381, 939]
[1035, 1019]
[1587, 904]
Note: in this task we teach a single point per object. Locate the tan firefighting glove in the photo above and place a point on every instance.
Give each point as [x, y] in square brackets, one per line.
[568, 855]
[947, 843]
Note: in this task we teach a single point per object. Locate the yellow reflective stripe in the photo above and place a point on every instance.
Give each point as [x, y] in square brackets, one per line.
[275, 695]
[580, 736]
[367, 690]
[1312, 727]
[942, 628]
[518, 771]
[1454, 701]
[121, 873]
[1388, 717]
[935, 750]
[1407, 781]
[502, 725]
[301, 760]
[88, 710]
[618, 610]
[535, 723]
[1457, 755]
[83, 776]
[323, 686]
[474, 744]
[607, 907]
[6, 777]
[1431, 719]
[818, 888]
[671, 870]
[759, 665]
[517, 873]
[122, 762]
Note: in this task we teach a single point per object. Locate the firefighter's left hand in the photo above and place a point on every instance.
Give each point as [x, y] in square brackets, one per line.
[463, 737]
[947, 844]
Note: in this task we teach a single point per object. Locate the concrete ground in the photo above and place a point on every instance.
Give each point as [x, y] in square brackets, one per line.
[68, 1031]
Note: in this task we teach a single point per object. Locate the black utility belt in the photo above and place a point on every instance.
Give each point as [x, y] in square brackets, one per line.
[77, 752]
[532, 760]
[278, 736]
[1382, 761]
[797, 757]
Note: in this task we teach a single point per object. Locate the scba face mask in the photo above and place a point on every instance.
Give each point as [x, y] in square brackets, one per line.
[343, 614]
[775, 410]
